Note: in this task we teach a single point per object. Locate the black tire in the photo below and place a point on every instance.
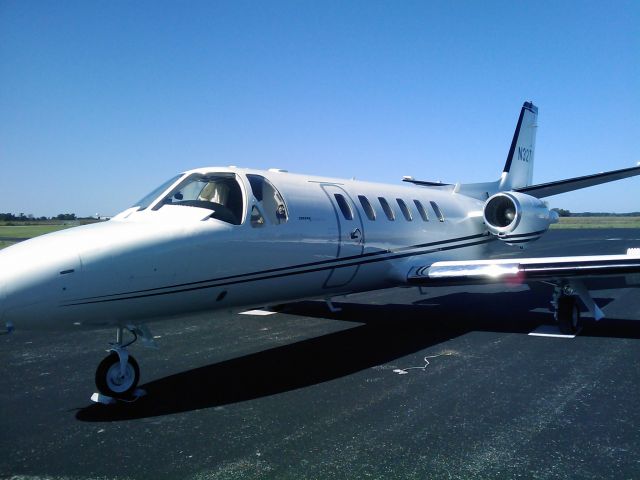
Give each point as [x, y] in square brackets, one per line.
[109, 381]
[569, 321]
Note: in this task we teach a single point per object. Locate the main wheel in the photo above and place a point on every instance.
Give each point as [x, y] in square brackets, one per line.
[111, 382]
[568, 314]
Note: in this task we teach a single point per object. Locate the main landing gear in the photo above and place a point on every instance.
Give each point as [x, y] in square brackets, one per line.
[568, 315]
[567, 311]
[118, 374]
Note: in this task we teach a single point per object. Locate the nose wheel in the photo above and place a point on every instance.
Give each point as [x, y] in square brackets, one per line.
[117, 379]
[117, 376]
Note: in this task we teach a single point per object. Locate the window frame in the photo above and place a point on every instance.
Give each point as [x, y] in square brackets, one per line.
[437, 211]
[421, 210]
[226, 212]
[387, 209]
[257, 185]
[367, 207]
[343, 205]
[157, 193]
[405, 210]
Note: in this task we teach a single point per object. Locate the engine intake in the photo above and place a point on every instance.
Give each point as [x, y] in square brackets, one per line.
[517, 218]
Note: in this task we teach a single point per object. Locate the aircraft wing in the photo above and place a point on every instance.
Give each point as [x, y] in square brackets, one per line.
[521, 270]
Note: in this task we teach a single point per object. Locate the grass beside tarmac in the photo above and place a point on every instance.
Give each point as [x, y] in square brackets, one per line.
[10, 234]
[28, 231]
[597, 222]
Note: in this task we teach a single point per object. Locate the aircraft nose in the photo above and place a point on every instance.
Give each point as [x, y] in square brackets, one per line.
[30, 280]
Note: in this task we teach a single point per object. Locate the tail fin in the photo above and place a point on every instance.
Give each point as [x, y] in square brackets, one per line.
[518, 170]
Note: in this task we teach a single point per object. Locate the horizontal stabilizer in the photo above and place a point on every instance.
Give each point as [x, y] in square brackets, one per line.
[425, 183]
[562, 186]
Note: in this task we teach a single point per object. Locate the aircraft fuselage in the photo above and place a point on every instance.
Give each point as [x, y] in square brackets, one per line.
[172, 258]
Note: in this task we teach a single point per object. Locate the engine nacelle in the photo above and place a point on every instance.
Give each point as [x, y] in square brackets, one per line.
[517, 218]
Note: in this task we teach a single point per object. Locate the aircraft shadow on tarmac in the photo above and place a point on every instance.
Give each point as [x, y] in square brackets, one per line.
[386, 332]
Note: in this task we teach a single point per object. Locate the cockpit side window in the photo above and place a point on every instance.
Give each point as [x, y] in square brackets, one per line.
[256, 182]
[219, 192]
[269, 201]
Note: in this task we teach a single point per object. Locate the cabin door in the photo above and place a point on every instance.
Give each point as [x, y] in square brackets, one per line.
[350, 236]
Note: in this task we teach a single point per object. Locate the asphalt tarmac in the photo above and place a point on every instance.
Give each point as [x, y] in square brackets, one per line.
[305, 393]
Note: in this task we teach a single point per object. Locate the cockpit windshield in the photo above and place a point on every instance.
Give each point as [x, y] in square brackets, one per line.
[219, 192]
[149, 198]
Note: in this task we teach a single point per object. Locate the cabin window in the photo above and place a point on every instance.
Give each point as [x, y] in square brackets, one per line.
[421, 210]
[269, 199]
[403, 208]
[436, 209]
[347, 213]
[386, 208]
[366, 206]
[218, 192]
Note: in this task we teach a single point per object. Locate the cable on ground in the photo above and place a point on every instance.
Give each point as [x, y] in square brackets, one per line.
[404, 371]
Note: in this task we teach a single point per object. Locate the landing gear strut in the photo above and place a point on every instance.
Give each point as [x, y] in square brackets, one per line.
[118, 374]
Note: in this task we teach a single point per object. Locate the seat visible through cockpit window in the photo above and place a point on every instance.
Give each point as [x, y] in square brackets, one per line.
[257, 219]
[219, 192]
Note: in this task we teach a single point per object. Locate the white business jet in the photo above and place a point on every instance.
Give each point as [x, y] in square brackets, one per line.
[223, 238]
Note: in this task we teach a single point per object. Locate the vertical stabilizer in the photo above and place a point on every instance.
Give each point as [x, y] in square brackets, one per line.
[518, 170]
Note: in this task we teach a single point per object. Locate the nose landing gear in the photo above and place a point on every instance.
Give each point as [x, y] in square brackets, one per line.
[117, 376]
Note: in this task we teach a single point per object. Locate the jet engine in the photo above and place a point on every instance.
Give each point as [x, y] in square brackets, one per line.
[517, 218]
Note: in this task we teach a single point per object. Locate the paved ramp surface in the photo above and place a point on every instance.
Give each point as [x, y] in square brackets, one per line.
[398, 384]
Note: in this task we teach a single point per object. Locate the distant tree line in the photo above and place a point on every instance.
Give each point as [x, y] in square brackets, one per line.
[10, 217]
[566, 213]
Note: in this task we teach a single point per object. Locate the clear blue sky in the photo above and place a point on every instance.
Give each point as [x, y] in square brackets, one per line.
[100, 101]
